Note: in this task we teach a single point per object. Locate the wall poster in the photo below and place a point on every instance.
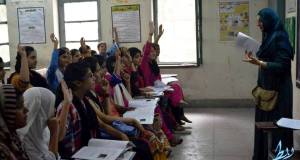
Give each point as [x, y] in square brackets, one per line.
[234, 18]
[126, 19]
[31, 23]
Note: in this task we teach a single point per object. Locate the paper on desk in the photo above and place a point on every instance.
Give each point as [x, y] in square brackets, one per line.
[289, 123]
[247, 43]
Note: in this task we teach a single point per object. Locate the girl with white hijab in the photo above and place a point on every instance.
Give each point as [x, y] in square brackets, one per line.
[41, 119]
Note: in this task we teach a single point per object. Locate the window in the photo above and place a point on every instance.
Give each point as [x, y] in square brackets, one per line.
[4, 40]
[79, 18]
[181, 42]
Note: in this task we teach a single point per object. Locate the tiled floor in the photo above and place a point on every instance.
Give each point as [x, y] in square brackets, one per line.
[217, 134]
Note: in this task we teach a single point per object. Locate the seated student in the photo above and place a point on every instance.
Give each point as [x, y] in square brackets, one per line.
[41, 119]
[2, 71]
[151, 74]
[105, 91]
[102, 46]
[12, 116]
[81, 120]
[93, 101]
[59, 61]
[76, 56]
[84, 49]
[138, 88]
[24, 76]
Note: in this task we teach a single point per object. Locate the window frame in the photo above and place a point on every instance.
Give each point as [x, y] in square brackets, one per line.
[62, 21]
[199, 60]
[6, 64]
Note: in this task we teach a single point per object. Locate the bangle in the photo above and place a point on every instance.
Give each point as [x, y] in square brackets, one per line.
[262, 64]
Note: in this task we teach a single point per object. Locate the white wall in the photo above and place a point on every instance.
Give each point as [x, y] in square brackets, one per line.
[43, 50]
[223, 75]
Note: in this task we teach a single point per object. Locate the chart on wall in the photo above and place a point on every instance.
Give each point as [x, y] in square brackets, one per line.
[289, 25]
[234, 18]
[126, 20]
[31, 23]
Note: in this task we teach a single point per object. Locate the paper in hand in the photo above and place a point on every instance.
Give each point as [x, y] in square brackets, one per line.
[247, 43]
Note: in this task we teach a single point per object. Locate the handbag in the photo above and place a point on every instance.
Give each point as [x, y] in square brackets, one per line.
[130, 131]
[265, 99]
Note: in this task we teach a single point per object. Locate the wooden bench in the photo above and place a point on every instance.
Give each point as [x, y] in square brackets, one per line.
[269, 128]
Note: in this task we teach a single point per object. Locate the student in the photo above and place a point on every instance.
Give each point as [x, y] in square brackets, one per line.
[158, 152]
[274, 74]
[12, 116]
[138, 88]
[84, 49]
[24, 76]
[2, 71]
[76, 56]
[102, 46]
[151, 73]
[59, 61]
[80, 119]
[41, 119]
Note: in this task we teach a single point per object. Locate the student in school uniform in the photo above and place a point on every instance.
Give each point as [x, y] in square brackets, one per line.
[80, 119]
[59, 61]
[155, 144]
[151, 73]
[24, 76]
[40, 136]
[102, 46]
[13, 116]
[76, 56]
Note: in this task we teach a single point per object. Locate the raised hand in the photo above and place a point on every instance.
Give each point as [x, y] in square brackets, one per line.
[68, 96]
[82, 43]
[151, 28]
[21, 50]
[161, 30]
[54, 40]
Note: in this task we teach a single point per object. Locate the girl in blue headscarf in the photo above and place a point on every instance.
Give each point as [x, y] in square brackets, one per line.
[274, 62]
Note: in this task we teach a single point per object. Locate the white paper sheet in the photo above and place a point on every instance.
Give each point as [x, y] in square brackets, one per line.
[97, 153]
[31, 23]
[144, 110]
[289, 123]
[168, 80]
[127, 156]
[108, 143]
[168, 75]
[126, 18]
[247, 43]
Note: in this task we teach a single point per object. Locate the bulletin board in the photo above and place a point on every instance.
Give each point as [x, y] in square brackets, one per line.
[234, 18]
[298, 50]
[127, 20]
[31, 25]
[290, 24]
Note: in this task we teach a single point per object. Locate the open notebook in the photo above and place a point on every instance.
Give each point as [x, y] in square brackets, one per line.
[144, 110]
[101, 149]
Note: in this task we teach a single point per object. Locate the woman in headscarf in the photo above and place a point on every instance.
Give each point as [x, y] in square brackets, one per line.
[274, 62]
[41, 118]
[12, 116]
